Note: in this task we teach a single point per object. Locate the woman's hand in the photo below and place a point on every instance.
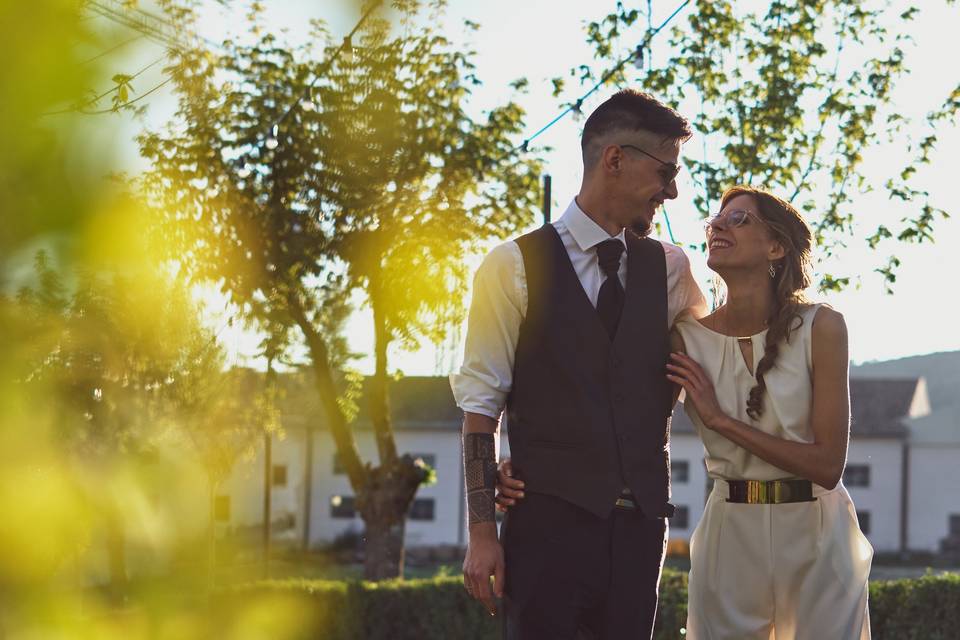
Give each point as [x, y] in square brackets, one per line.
[509, 489]
[686, 372]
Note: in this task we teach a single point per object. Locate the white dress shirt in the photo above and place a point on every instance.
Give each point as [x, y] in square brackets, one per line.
[500, 304]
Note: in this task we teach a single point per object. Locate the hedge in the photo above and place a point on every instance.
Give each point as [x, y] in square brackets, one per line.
[926, 608]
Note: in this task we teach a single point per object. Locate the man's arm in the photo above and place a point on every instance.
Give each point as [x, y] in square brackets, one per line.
[484, 553]
[683, 292]
[493, 327]
[480, 389]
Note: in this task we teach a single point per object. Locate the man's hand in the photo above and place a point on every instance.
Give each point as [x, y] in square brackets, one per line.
[509, 489]
[484, 559]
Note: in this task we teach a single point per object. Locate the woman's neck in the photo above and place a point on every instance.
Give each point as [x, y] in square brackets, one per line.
[747, 308]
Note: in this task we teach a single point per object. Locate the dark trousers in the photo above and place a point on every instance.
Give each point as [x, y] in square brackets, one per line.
[572, 575]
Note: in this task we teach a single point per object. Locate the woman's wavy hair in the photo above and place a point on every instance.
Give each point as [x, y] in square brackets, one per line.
[792, 275]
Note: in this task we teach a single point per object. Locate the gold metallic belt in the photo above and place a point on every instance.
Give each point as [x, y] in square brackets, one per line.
[770, 491]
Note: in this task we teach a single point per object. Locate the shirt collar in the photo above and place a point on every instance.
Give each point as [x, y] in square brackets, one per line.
[585, 231]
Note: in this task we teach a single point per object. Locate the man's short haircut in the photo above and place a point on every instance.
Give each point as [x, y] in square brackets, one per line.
[630, 110]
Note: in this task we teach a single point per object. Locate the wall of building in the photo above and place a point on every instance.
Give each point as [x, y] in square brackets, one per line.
[879, 500]
[436, 519]
[934, 497]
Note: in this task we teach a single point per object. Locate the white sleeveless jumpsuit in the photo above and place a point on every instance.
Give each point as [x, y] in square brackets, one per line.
[770, 571]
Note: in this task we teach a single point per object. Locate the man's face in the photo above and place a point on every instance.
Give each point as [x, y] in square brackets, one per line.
[647, 180]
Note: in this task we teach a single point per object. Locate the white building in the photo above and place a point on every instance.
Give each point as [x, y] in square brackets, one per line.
[933, 449]
[902, 469]
[426, 424]
[933, 460]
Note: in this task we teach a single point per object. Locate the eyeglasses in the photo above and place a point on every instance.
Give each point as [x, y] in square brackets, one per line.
[668, 172]
[729, 220]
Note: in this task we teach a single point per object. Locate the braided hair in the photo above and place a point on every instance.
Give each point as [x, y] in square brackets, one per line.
[791, 276]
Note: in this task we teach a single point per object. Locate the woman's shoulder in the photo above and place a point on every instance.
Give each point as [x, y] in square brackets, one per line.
[826, 323]
[823, 330]
[820, 314]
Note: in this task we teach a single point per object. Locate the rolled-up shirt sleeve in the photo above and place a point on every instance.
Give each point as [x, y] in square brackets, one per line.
[683, 293]
[493, 327]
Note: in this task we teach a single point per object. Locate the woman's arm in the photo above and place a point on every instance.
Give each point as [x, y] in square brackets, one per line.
[820, 461]
[677, 345]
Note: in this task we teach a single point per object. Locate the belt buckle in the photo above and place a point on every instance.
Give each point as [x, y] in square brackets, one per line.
[768, 492]
[772, 492]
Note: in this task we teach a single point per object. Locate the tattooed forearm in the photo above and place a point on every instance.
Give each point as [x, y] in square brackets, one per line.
[480, 472]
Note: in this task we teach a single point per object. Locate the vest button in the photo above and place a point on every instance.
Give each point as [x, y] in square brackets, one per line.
[617, 362]
[618, 397]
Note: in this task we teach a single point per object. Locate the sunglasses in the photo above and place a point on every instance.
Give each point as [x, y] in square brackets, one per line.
[668, 171]
[729, 220]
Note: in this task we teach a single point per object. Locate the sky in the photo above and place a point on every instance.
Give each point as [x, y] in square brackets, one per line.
[541, 39]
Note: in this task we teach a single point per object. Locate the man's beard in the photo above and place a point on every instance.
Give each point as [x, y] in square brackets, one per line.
[641, 227]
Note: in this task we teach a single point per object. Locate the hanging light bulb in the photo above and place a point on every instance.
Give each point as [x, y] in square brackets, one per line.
[307, 104]
[638, 57]
[577, 113]
[272, 141]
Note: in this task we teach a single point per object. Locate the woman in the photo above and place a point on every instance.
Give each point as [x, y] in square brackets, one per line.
[778, 552]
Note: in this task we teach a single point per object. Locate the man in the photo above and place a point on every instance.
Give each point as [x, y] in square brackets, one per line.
[568, 331]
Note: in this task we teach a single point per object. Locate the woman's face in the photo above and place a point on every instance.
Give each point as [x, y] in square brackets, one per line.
[739, 240]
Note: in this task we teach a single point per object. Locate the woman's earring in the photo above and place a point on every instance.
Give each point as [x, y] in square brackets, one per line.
[772, 271]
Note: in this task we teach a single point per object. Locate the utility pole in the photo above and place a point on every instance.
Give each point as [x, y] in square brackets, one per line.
[547, 184]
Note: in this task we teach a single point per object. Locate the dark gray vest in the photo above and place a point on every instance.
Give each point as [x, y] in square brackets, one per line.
[587, 416]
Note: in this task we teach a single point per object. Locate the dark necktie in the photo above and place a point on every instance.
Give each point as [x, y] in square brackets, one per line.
[610, 299]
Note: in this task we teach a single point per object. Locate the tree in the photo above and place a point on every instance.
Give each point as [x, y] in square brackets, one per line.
[794, 95]
[125, 363]
[293, 182]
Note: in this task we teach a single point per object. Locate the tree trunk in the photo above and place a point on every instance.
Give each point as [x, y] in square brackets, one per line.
[323, 376]
[383, 550]
[384, 505]
[379, 398]
[383, 493]
[307, 487]
[267, 494]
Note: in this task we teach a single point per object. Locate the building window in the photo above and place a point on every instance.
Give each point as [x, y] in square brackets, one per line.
[856, 475]
[342, 507]
[863, 517]
[429, 459]
[338, 469]
[422, 509]
[279, 475]
[681, 518]
[221, 508]
[679, 471]
[955, 524]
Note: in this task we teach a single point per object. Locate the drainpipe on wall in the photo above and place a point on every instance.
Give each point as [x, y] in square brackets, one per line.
[904, 499]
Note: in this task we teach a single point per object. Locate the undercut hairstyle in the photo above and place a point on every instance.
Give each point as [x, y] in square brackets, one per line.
[630, 111]
[792, 275]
